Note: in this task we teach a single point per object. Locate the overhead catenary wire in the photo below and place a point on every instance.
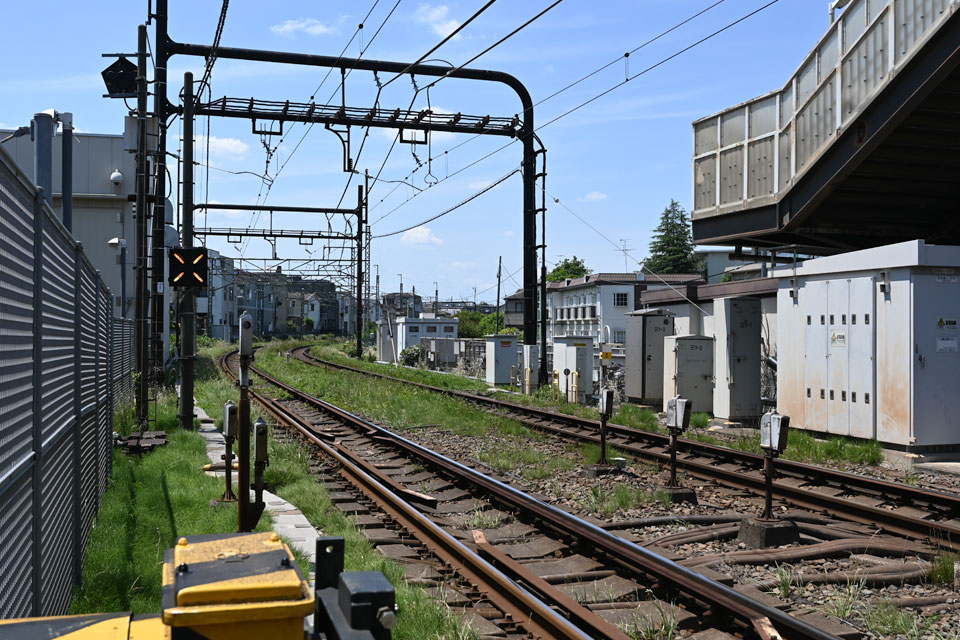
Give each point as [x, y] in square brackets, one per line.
[451, 209]
[450, 36]
[272, 181]
[557, 200]
[453, 70]
[208, 68]
[643, 72]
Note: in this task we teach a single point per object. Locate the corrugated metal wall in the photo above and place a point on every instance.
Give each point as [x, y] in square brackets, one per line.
[66, 363]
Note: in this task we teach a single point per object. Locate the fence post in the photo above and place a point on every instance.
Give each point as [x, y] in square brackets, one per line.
[38, 214]
[77, 410]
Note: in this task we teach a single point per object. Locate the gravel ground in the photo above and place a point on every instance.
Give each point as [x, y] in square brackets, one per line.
[875, 612]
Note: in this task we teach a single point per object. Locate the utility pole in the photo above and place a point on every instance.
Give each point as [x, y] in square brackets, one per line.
[143, 353]
[361, 220]
[188, 318]
[379, 306]
[159, 310]
[436, 298]
[474, 297]
[496, 326]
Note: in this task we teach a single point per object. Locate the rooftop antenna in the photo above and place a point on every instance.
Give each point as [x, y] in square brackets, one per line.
[624, 248]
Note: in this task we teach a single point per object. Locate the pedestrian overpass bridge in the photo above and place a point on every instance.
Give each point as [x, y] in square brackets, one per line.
[860, 148]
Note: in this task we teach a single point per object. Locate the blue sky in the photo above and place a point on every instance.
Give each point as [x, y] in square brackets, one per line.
[616, 162]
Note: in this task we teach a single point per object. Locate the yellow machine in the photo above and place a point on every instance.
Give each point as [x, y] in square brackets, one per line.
[239, 587]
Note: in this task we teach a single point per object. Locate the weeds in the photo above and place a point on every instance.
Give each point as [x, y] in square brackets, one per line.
[649, 628]
[888, 619]
[847, 597]
[942, 567]
[787, 578]
[482, 519]
[699, 420]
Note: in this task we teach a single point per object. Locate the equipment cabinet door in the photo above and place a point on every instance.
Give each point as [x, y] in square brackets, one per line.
[838, 303]
[814, 297]
[861, 358]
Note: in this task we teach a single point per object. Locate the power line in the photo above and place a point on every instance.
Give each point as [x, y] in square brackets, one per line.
[208, 69]
[596, 97]
[607, 65]
[496, 44]
[451, 209]
[454, 69]
[256, 217]
[449, 37]
[625, 252]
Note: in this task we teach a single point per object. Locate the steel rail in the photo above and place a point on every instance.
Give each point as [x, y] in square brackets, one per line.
[720, 598]
[626, 438]
[512, 600]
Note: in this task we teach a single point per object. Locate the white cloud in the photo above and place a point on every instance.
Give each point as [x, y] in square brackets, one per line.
[479, 184]
[229, 148]
[436, 17]
[420, 235]
[310, 26]
[594, 196]
[509, 233]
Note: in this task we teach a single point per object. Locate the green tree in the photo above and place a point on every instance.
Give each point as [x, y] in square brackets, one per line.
[568, 268]
[671, 250]
[308, 325]
[470, 324]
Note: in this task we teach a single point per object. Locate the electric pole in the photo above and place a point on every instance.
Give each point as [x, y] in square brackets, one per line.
[436, 298]
[496, 326]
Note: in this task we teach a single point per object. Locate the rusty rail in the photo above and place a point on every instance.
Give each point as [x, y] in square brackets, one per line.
[768, 622]
[645, 444]
[525, 609]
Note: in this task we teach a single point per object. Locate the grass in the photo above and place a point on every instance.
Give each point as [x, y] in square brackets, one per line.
[621, 498]
[152, 500]
[699, 420]
[787, 578]
[532, 464]
[847, 597]
[642, 627]
[887, 619]
[942, 567]
[331, 349]
[802, 446]
[393, 403]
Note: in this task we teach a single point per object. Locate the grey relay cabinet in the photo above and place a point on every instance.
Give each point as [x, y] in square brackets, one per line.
[869, 346]
[643, 377]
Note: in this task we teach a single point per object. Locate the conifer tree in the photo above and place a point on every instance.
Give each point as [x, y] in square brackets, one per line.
[671, 250]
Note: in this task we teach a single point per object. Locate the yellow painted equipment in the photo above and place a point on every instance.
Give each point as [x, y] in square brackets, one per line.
[238, 587]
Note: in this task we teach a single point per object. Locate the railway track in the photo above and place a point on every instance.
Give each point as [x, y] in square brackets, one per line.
[900, 509]
[522, 566]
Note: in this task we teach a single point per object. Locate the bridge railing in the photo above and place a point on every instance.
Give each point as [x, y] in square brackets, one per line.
[749, 154]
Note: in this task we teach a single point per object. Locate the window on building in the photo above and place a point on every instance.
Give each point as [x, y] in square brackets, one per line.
[431, 329]
[620, 335]
[593, 311]
[576, 312]
[620, 299]
[518, 307]
[448, 329]
[414, 329]
[293, 304]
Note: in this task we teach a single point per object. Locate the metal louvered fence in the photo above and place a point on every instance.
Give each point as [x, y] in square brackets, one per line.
[65, 364]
